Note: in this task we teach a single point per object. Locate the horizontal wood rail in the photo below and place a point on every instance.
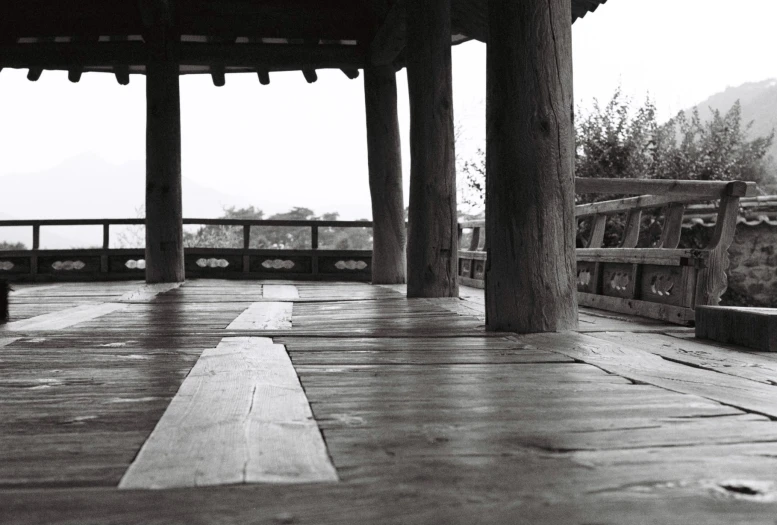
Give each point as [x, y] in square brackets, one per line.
[243, 262]
[662, 281]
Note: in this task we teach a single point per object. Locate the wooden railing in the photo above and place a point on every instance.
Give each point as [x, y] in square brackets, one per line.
[243, 262]
[662, 281]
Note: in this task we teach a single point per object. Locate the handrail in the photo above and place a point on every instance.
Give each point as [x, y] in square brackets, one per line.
[300, 262]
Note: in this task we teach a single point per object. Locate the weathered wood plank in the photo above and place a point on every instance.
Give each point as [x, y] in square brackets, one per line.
[240, 416]
[710, 189]
[148, 292]
[264, 316]
[751, 327]
[63, 319]
[730, 361]
[280, 291]
[636, 364]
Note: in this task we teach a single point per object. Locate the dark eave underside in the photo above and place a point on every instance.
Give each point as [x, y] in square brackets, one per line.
[230, 35]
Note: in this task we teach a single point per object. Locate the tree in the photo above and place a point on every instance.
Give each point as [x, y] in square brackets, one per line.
[280, 237]
[11, 246]
[618, 140]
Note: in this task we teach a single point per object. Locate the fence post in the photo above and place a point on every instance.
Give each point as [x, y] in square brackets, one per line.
[35, 248]
[246, 245]
[314, 246]
[106, 247]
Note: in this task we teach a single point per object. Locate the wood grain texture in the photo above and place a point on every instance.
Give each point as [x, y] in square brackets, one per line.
[385, 174]
[280, 291]
[427, 419]
[432, 243]
[530, 217]
[751, 327]
[264, 316]
[240, 416]
[164, 205]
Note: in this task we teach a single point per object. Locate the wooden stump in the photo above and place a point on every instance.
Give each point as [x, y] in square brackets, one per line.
[530, 221]
[385, 167]
[164, 227]
[432, 247]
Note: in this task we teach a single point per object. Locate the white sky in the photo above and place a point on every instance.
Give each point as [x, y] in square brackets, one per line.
[291, 143]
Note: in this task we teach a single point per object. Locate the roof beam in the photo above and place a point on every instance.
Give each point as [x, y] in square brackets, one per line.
[390, 38]
[155, 12]
[134, 53]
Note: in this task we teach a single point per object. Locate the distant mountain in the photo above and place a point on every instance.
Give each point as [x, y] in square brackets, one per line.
[759, 104]
[89, 187]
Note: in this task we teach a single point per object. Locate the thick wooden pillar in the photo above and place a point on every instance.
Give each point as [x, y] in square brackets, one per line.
[432, 258]
[164, 228]
[530, 226]
[385, 166]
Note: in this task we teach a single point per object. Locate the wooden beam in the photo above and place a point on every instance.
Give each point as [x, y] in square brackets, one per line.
[218, 74]
[107, 54]
[121, 71]
[385, 172]
[432, 247]
[391, 37]
[34, 73]
[530, 199]
[155, 12]
[351, 73]
[164, 226]
[695, 188]
[310, 74]
[264, 76]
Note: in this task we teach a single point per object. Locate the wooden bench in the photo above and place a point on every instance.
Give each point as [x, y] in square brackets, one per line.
[661, 282]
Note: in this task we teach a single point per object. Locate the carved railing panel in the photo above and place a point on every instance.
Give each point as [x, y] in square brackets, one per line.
[661, 282]
[295, 256]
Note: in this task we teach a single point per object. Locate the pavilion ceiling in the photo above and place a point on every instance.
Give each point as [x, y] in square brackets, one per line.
[220, 36]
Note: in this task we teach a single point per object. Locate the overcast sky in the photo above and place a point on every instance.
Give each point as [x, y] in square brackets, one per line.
[291, 143]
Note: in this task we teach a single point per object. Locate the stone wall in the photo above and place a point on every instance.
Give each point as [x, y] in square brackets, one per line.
[752, 274]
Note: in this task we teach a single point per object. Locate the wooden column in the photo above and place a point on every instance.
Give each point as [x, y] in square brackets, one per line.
[432, 238]
[530, 226]
[164, 228]
[385, 167]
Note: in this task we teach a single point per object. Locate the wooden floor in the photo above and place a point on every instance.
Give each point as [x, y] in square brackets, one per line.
[425, 416]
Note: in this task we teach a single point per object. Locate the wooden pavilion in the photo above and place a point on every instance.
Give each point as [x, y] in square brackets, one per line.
[309, 402]
[529, 119]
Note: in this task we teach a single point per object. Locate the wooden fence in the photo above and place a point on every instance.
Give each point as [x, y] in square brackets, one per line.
[244, 262]
[662, 281]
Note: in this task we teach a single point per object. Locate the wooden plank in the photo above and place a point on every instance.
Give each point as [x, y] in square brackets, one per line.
[636, 364]
[4, 341]
[240, 416]
[706, 189]
[264, 316]
[280, 291]
[730, 360]
[666, 257]
[633, 204]
[148, 292]
[63, 319]
[751, 327]
[665, 312]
